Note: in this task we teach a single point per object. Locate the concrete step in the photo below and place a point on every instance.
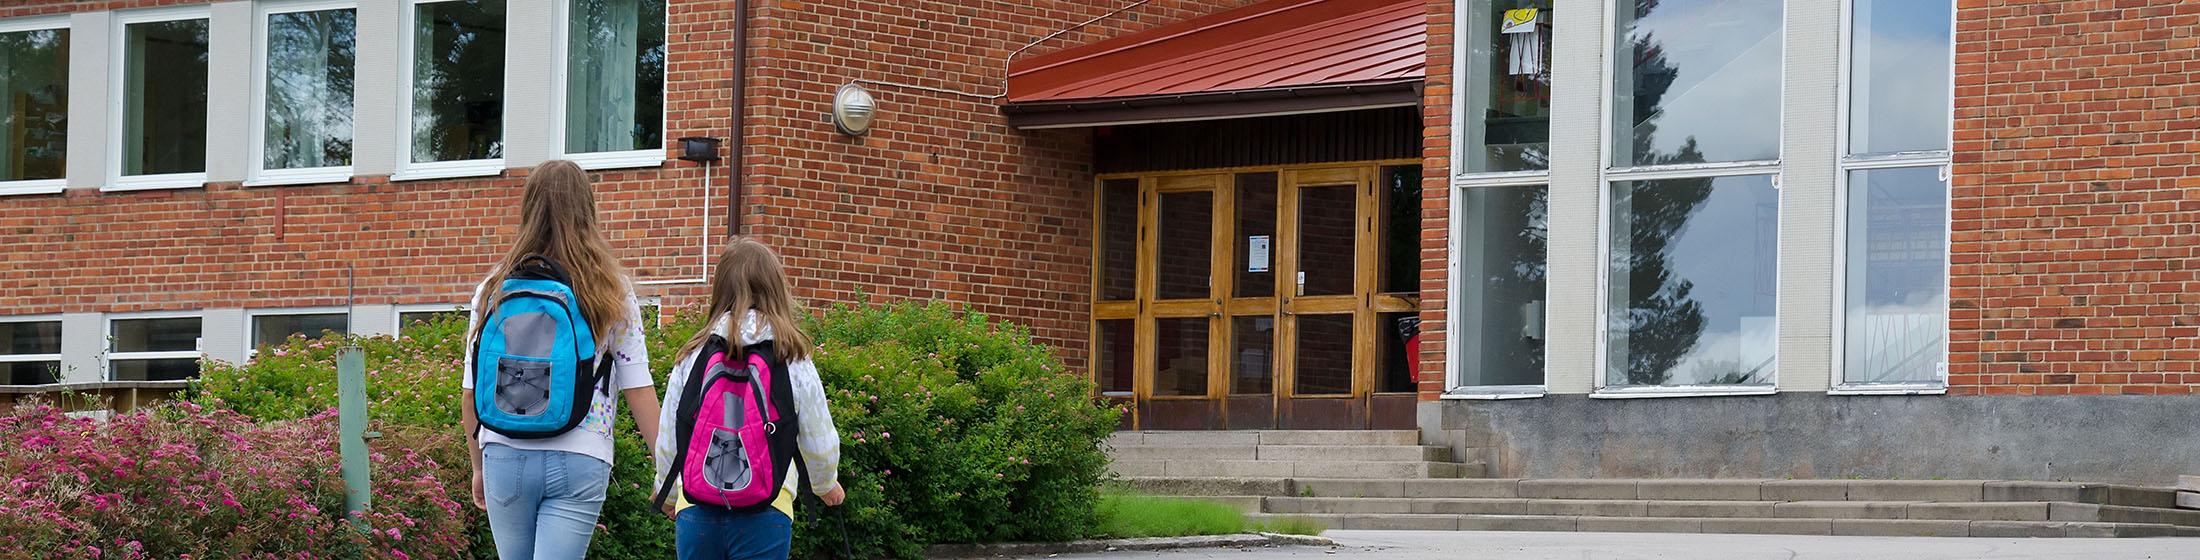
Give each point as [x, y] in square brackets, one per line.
[1247, 504]
[1292, 469]
[1716, 490]
[1843, 527]
[1971, 511]
[1281, 453]
[1267, 437]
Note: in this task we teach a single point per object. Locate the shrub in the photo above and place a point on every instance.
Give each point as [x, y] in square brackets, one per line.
[183, 481]
[954, 429]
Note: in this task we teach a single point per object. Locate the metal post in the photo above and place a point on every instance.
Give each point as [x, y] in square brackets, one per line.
[351, 401]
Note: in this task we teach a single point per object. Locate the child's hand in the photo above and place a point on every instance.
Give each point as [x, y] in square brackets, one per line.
[834, 497]
[478, 501]
[668, 510]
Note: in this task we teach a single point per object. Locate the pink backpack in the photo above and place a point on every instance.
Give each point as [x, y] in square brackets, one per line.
[736, 428]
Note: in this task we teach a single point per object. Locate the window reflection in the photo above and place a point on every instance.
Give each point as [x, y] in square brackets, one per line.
[1509, 73]
[34, 104]
[458, 81]
[1897, 289]
[1697, 81]
[1503, 250]
[310, 61]
[1900, 57]
[164, 97]
[1692, 282]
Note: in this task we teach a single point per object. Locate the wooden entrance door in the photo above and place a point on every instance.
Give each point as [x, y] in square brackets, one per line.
[1252, 299]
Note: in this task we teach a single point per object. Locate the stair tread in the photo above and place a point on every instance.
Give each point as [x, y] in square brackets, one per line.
[1569, 523]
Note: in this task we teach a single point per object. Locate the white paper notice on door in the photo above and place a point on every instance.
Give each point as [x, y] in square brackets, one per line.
[1256, 253]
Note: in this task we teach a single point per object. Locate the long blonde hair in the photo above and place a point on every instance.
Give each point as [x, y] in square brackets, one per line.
[557, 219]
[749, 277]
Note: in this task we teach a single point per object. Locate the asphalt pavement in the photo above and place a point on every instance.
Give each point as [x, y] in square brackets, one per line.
[1458, 545]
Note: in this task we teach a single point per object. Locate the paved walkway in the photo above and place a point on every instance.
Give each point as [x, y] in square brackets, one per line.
[1448, 545]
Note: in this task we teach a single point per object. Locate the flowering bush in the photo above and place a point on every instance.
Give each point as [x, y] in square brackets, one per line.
[954, 428]
[182, 481]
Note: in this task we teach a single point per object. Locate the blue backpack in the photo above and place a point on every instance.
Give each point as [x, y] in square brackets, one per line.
[536, 371]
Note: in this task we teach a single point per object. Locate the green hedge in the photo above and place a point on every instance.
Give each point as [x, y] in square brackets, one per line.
[954, 428]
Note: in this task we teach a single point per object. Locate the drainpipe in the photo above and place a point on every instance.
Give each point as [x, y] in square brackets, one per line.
[736, 139]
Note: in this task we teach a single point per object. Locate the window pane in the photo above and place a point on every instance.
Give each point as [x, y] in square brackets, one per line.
[411, 320]
[458, 81]
[1328, 249]
[272, 330]
[1897, 285]
[1693, 269]
[30, 373]
[1696, 81]
[1503, 252]
[310, 59]
[1324, 357]
[1509, 119]
[157, 335]
[43, 337]
[1181, 357]
[164, 97]
[1256, 239]
[156, 370]
[1252, 349]
[1187, 245]
[1401, 348]
[1901, 53]
[1113, 364]
[34, 104]
[615, 79]
[1401, 238]
[1119, 239]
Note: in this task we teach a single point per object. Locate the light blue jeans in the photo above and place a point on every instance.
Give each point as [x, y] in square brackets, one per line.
[542, 504]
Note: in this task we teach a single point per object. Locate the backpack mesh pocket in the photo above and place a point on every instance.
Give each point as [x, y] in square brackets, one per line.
[523, 386]
[727, 465]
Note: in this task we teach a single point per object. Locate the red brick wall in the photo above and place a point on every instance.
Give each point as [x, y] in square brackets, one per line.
[2076, 192]
[941, 201]
[1436, 197]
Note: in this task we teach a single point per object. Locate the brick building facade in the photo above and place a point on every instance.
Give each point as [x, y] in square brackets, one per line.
[1881, 238]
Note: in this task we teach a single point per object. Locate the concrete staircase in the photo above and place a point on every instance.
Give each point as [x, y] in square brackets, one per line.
[1386, 480]
[1284, 455]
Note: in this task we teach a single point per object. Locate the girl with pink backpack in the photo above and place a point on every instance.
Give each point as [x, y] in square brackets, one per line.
[746, 418]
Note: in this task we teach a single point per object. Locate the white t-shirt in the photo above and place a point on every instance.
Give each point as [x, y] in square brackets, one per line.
[629, 353]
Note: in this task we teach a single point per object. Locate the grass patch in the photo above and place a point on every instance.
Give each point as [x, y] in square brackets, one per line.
[1125, 515]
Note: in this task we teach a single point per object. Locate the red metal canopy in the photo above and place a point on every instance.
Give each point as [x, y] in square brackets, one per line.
[1275, 57]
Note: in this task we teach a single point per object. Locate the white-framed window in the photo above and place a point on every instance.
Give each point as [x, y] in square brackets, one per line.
[1893, 217]
[305, 57]
[453, 102]
[164, 346]
[411, 317]
[158, 98]
[273, 327]
[1691, 198]
[1500, 200]
[612, 95]
[34, 105]
[30, 350]
[653, 311]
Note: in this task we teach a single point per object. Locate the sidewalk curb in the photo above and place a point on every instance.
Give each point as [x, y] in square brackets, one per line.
[1111, 545]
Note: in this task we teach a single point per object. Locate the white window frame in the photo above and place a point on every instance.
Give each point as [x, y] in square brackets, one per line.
[252, 322]
[260, 174]
[60, 377]
[1850, 162]
[407, 170]
[38, 186]
[108, 354]
[1461, 182]
[1610, 173]
[116, 97]
[592, 161]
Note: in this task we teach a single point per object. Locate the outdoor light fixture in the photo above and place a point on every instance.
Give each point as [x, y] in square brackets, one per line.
[699, 149]
[853, 109]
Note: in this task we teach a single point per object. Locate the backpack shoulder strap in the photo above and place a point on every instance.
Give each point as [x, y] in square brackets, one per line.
[691, 402]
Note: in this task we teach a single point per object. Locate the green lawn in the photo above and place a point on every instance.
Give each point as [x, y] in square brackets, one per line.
[1124, 515]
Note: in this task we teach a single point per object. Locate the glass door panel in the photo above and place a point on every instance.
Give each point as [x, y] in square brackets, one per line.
[1327, 242]
[1186, 254]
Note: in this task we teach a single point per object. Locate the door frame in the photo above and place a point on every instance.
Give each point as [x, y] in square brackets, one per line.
[1365, 304]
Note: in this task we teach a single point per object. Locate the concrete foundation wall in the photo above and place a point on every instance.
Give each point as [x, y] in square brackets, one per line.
[2146, 440]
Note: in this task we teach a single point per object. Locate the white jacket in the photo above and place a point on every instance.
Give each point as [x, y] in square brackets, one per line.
[818, 439]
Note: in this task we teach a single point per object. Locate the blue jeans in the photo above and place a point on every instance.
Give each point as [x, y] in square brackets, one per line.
[712, 533]
[542, 504]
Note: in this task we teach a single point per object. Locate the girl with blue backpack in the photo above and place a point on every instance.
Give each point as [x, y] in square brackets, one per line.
[555, 330]
[745, 417]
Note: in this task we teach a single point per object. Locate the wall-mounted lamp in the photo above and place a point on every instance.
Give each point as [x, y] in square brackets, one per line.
[853, 108]
[699, 149]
